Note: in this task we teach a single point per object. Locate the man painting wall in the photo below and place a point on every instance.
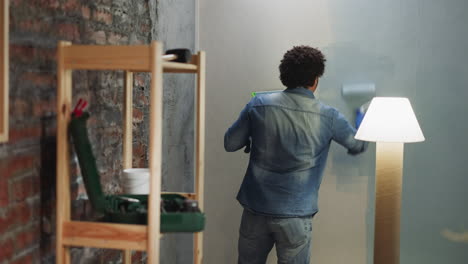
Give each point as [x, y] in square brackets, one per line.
[288, 135]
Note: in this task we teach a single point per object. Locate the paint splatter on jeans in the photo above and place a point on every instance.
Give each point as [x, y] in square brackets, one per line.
[258, 234]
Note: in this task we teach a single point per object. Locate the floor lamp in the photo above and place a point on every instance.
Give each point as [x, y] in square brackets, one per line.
[390, 122]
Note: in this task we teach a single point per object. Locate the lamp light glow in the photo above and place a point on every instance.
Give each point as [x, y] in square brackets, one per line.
[390, 119]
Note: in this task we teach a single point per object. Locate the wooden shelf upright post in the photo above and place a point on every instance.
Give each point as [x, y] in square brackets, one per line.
[64, 96]
[200, 150]
[127, 153]
[155, 152]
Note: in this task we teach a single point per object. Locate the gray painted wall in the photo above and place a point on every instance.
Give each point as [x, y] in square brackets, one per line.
[176, 29]
[415, 49]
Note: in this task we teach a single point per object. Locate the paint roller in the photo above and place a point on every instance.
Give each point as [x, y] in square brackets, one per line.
[358, 97]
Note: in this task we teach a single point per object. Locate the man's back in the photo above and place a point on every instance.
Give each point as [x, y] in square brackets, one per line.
[291, 133]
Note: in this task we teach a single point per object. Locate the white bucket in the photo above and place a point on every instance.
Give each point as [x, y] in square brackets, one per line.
[136, 181]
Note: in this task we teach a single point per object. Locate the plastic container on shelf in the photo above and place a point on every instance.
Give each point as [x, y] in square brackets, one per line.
[136, 181]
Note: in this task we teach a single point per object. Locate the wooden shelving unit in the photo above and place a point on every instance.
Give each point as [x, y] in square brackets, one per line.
[142, 58]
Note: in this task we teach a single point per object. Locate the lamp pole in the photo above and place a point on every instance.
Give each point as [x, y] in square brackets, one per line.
[388, 187]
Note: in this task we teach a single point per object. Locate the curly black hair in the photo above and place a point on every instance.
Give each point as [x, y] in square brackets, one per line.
[300, 66]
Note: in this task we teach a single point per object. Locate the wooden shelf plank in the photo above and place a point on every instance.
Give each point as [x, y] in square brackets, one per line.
[131, 58]
[177, 67]
[192, 196]
[103, 57]
[105, 235]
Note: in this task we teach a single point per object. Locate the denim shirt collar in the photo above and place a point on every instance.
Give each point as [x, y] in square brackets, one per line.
[301, 91]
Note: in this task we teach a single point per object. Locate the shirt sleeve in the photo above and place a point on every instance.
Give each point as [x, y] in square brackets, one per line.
[343, 134]
[237, 136]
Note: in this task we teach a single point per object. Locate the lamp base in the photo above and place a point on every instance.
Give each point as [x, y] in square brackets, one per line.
[388, 186]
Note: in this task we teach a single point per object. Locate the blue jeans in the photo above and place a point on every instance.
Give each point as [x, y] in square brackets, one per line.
[259, 233]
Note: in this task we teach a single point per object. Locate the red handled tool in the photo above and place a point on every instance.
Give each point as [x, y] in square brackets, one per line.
[80, 106]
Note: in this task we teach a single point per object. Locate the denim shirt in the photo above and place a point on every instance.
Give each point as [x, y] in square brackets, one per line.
[291, 133]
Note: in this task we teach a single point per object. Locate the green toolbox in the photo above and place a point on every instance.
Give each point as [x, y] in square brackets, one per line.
[178, 214]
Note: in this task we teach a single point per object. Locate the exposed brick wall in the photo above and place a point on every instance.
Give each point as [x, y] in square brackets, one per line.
[27, 161]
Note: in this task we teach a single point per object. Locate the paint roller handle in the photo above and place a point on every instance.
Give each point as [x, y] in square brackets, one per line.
[360, 113]
[359, 117]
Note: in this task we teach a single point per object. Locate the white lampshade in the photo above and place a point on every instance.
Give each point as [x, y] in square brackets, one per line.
[390, 119]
